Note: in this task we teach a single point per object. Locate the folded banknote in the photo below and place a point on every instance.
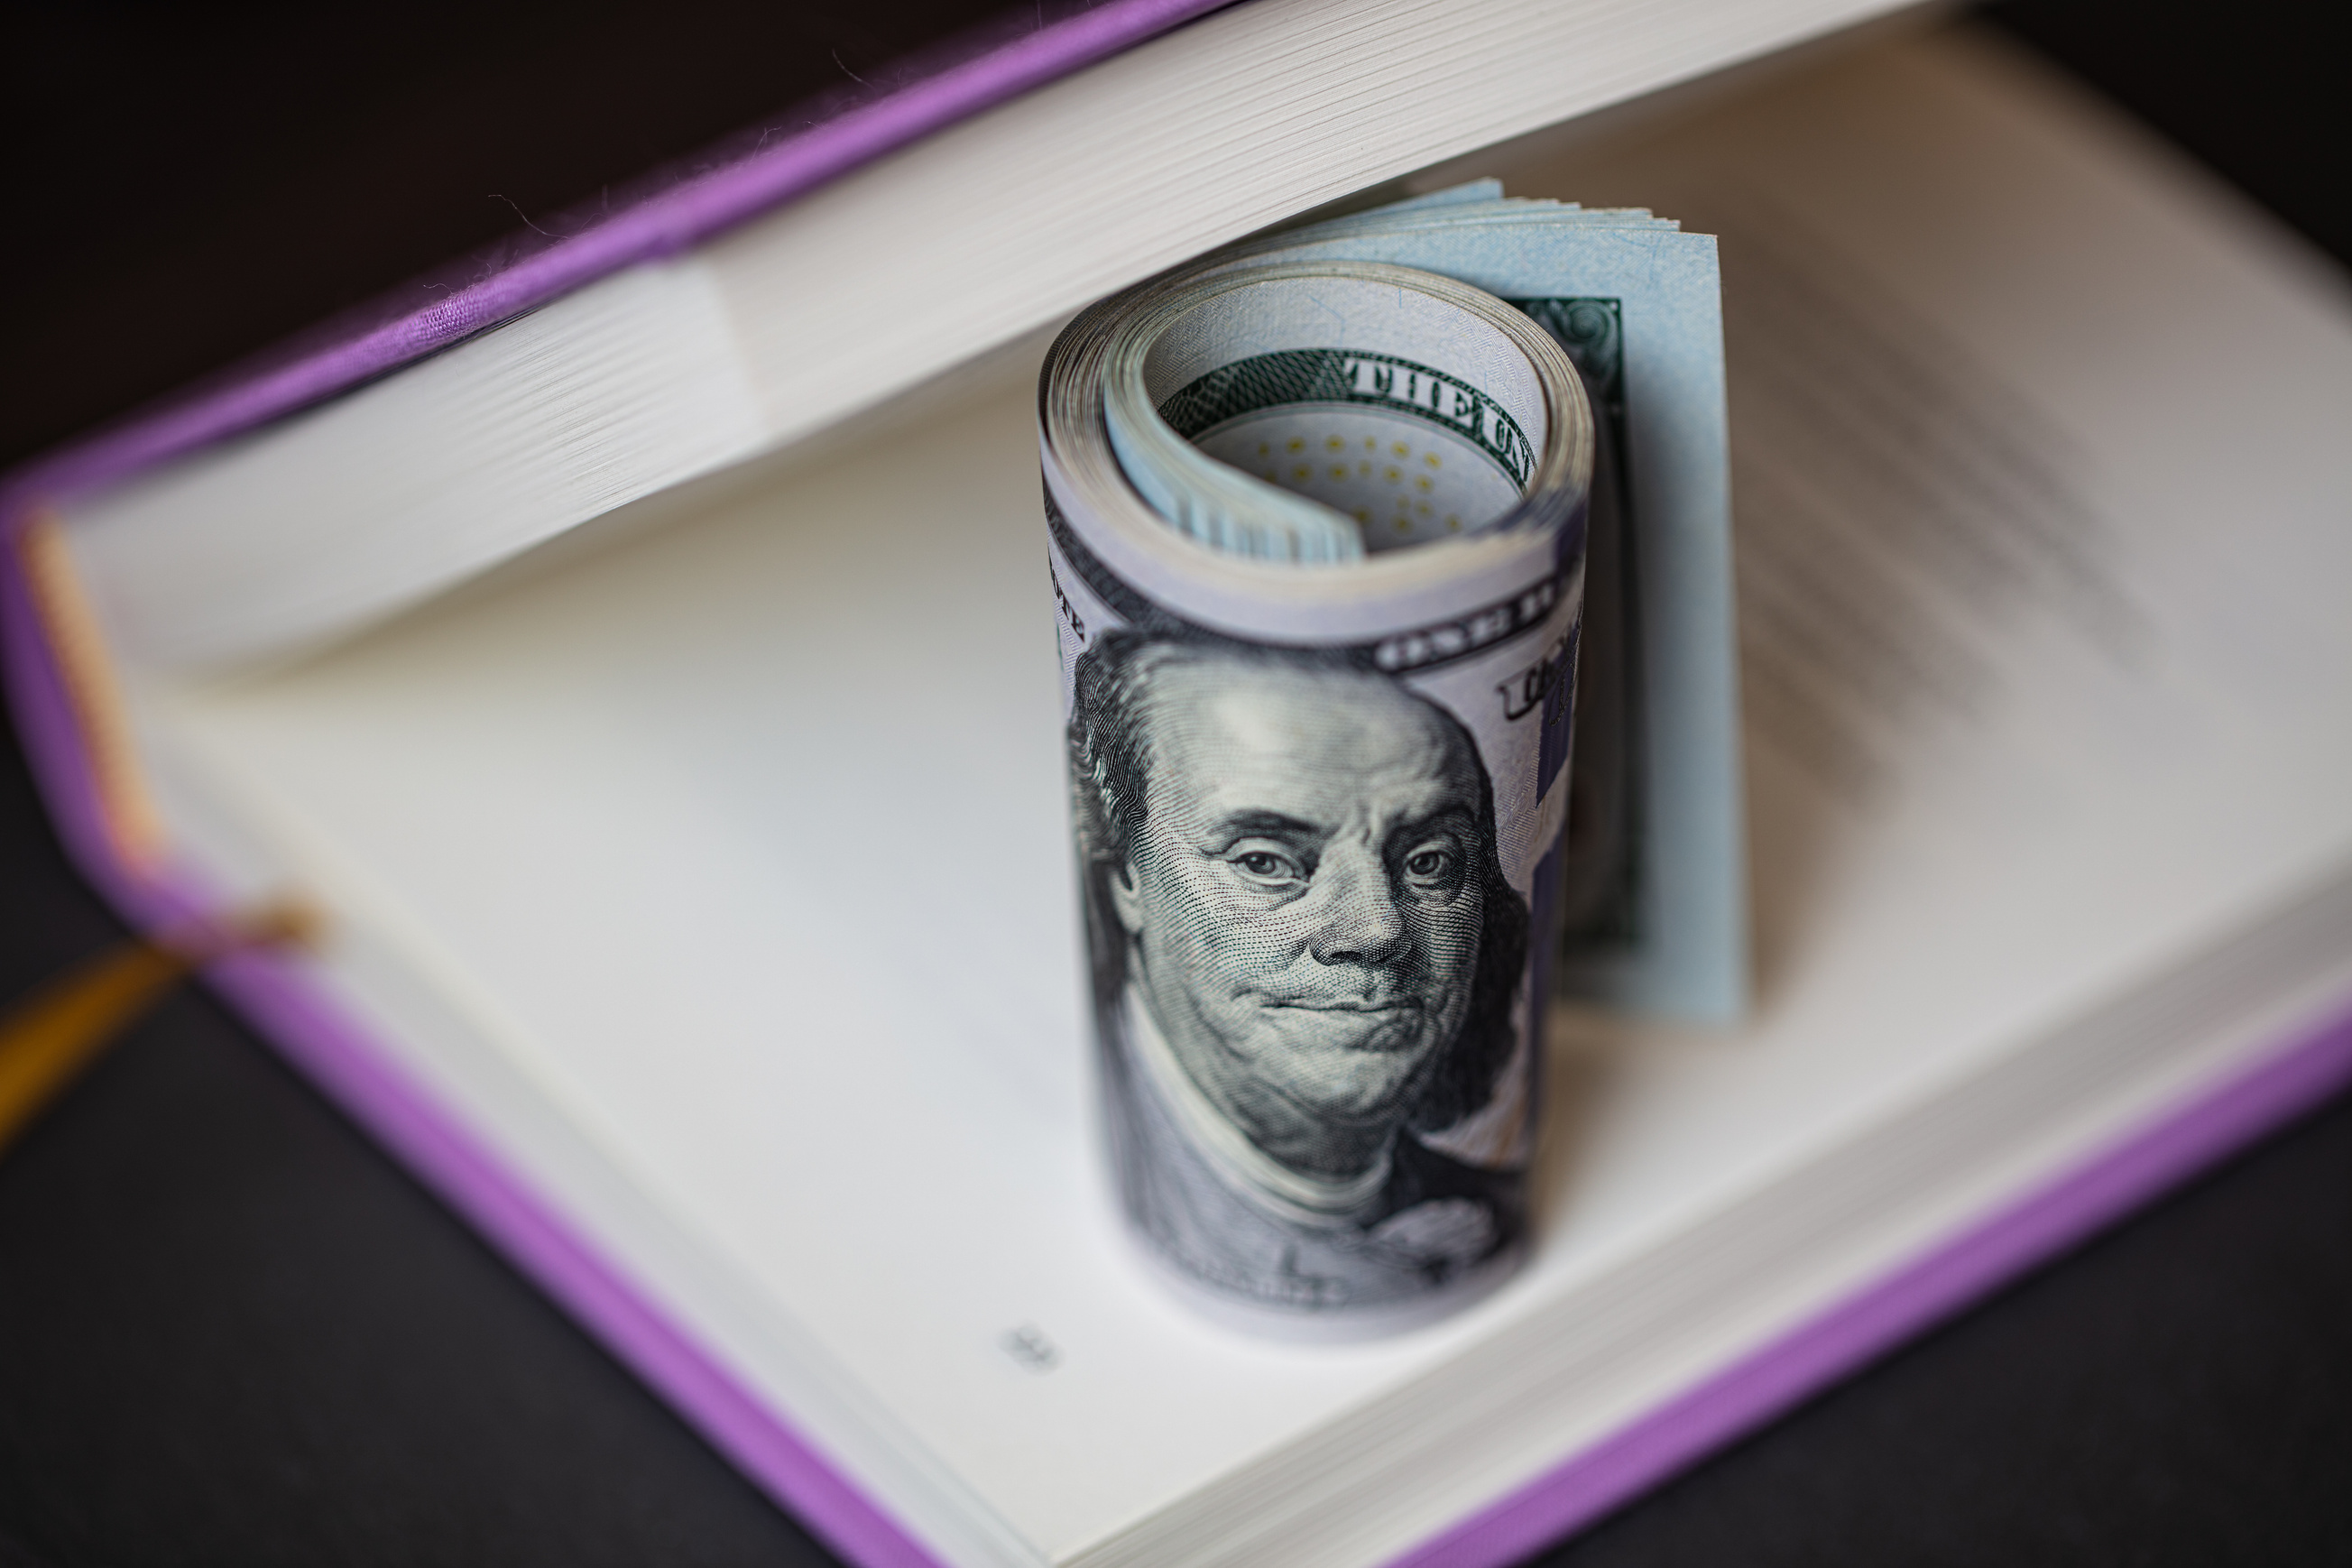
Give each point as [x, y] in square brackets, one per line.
[1333, 516]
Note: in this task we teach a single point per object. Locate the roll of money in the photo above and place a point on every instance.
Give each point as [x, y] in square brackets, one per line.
[1315, 529]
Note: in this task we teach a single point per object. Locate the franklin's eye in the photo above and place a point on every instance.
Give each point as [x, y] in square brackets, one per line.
[1429, 865]
[1266, 866]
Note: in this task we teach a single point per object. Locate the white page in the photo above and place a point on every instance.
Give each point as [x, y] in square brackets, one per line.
[782, 915]
[861, 288]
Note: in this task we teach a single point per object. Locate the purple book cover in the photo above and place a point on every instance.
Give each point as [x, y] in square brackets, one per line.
[921, 96]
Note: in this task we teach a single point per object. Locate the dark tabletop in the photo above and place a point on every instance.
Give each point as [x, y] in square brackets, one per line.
[231, 1331]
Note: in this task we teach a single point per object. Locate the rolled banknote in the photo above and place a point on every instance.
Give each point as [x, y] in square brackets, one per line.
[1317, 534]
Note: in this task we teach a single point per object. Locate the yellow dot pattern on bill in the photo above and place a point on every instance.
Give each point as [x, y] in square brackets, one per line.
[1393, 488]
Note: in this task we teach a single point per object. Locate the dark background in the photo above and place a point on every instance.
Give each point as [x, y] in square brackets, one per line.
[231, 1331]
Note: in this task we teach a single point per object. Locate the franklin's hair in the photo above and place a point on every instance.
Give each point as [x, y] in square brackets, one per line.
[1110, 765]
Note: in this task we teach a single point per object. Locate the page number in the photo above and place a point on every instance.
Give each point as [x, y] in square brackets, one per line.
[1030, 1349]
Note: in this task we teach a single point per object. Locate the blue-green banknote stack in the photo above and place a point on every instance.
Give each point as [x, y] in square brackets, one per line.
[1391, 571]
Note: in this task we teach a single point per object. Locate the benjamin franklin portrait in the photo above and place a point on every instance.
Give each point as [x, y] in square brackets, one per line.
[1305, 960]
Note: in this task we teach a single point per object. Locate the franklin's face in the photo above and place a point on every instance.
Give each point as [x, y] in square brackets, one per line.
[1305, 900]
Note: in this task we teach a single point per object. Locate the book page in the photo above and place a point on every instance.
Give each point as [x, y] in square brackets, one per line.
[2041, 494]
[805, 317]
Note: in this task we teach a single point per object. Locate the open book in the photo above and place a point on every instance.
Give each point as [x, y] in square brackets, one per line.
[721, 962]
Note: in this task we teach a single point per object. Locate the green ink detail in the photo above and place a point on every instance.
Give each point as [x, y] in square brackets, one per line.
[1294, 376]
[1592, 331]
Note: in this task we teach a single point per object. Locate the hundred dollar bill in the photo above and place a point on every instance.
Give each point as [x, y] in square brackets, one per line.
[1222, 637]
[1317, 532]
[1653, 895]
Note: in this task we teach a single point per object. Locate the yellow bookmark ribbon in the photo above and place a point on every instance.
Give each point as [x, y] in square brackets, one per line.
[47, 1039]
